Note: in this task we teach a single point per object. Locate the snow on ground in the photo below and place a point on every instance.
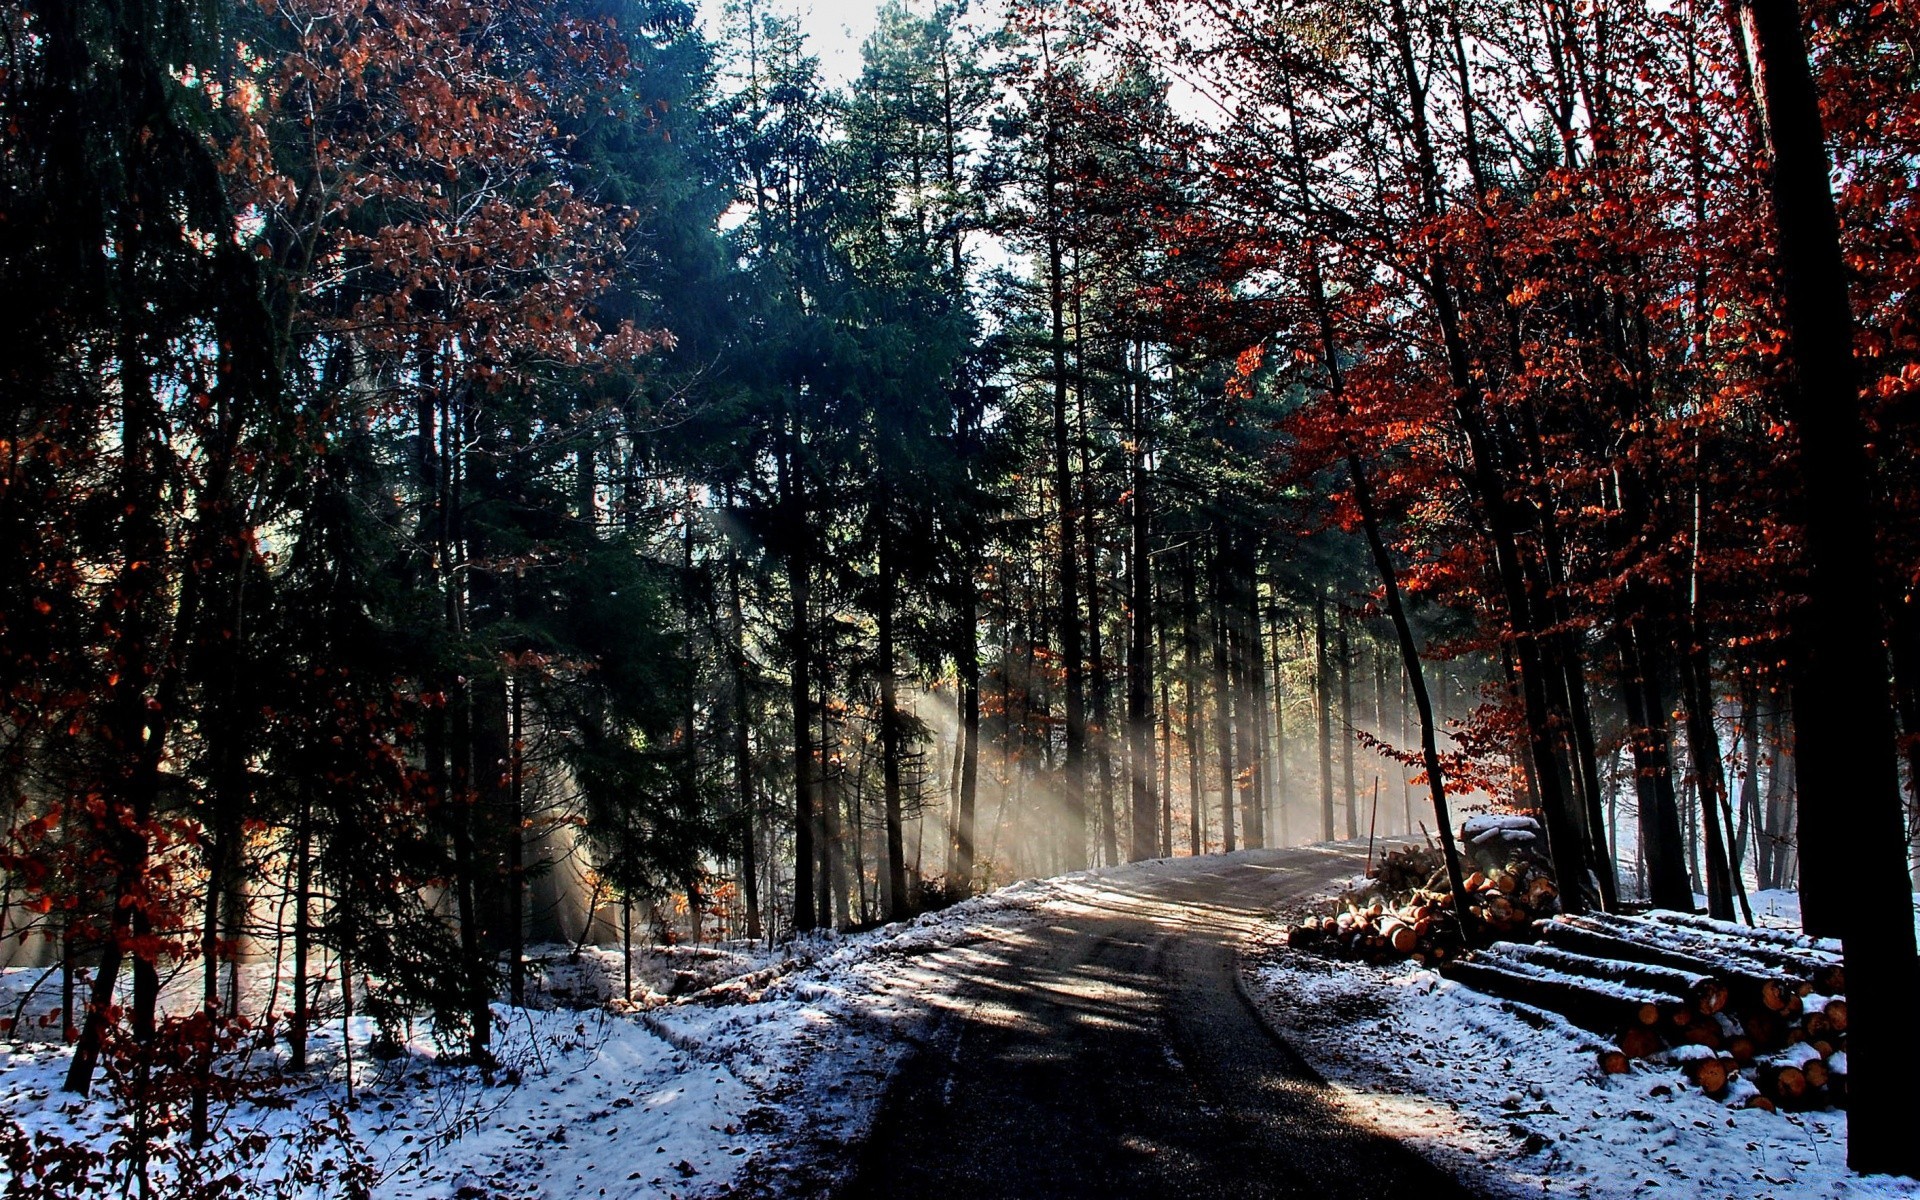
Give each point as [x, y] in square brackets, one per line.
[747, 1065]
[767, 1077]
[1522, 1109]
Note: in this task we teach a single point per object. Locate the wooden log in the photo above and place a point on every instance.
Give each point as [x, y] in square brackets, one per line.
[1766, 1028]
[1818, 967]
[1836, 1012]
[1614, 1061]
[1782, 1082]
[1398, 935]
[1704, 993]
[1708, 1074]
[1816, 1071]
[1587, 1003]
[1750, 986]
[1639, 1042]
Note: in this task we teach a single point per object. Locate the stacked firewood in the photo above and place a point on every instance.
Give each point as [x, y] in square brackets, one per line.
[1422, 929]
[1406, 909]
[1751, 1016]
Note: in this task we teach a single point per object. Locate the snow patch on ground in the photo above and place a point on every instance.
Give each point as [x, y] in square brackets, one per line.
[767, 1080]
[1515, 1104]
[1779, 908]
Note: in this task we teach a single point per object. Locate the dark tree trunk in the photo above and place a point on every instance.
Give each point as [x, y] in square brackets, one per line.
[1073, 779]
[895, 899]
[1396, 611]
[1346, 729]
[1416, 682]
[1323, 712]
[1194, 715]
[1283, 831]
[830, 839]
[517, 842]
[742, 816]
[1166, 731]
[1140, 626]
[1703, 745]
[1254, 654]
[964, 837]
[1778, 836]
[1249, 691]
[302, 1014]
[1853, 869]
[1223, 695]
[1099, 678]
[800, 654]
[1750, 776]
[1662, 841]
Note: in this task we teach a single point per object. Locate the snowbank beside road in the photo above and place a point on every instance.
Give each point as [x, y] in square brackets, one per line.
[1522, 1109]
[682, 1099]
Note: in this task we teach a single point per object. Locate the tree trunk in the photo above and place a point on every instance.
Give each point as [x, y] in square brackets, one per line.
[1223, 696]
[895, 900]
[1662, 841]
[516, 841]
[742, 814]
[1099, 680]
[1853, 870]
[1703, 745]
[1166, 732]
[1749, 776]
[1194, 717]
[1905, 640]
[1073, 778]
[964, 839]
[800, 654]
[1346, 729]
[1402, 627]
[1246, 658]
[1282, 818]
[1778, 835]
[1140, 626]
[1323, 712]
[1261, 736]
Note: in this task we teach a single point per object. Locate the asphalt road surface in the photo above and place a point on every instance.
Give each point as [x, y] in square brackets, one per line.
[1113, 1056]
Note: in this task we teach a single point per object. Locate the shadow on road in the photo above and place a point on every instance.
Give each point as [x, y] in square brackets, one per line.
[1111, 1054]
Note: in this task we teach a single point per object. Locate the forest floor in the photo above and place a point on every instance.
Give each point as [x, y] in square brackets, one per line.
[1090, 1035]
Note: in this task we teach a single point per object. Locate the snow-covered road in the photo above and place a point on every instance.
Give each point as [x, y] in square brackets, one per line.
[1106, 1050]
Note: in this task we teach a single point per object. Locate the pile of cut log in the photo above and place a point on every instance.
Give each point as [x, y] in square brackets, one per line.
[1406, 909]
[1421, 929]
[1510, 883]
[1751, 1016]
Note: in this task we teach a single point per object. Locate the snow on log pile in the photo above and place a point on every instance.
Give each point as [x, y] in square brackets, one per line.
[1516, 1102]
[1754, 1016]
[1757, 1017]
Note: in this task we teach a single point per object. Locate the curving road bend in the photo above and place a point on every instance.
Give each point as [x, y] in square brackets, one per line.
[1111, 1054]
